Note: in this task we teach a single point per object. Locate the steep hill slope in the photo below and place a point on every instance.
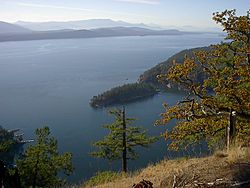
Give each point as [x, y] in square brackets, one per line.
[11, 28]
[147, 80]
[220, 170]
[150, 76]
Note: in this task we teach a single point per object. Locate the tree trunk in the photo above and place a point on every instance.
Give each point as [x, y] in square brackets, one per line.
[34, 177]
[124, 150]
[231, 129]
[36, 172]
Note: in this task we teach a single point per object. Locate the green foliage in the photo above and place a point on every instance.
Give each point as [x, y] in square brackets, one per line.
[150, 76]
[111, 147]
[103, 177]
[10, 146]
[148, 83]
[123, 94]
[204, 113]
[7, 140]
[41, 163]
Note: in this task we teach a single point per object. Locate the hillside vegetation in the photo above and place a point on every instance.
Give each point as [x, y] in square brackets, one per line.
[148, 83]
[222, 169]
[150, 76]
[216, 110]
[123, 94]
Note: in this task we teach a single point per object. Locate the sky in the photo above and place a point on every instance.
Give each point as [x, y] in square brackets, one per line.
[196, 13]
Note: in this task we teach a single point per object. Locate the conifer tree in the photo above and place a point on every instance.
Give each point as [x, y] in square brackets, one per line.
[9, 146]
[41, 163]
[6, 140]
[122, 139]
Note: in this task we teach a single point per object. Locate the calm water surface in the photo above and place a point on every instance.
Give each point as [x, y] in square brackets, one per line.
[50, 82]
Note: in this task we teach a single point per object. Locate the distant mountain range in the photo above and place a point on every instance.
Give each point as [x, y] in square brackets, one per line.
[11, 28]
[67, 30]
[104, 23]
[18, 33]
[78, 25]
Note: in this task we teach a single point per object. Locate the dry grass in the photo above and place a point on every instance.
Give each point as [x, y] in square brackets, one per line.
[222, 167]
[238, 154]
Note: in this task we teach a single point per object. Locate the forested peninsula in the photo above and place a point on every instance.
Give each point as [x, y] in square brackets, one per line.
[123, 94]
[148, 85]
[150, 76]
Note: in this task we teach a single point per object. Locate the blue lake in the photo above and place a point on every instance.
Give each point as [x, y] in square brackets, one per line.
[50, 82]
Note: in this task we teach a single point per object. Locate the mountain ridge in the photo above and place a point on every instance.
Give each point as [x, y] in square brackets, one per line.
[6, 27]
[78, 24]
[95, 33]
[100, 23]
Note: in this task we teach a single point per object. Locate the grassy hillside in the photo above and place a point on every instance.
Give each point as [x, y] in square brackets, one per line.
[218, 170]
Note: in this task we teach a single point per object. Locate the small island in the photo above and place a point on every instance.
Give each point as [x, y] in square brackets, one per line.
[123, 94]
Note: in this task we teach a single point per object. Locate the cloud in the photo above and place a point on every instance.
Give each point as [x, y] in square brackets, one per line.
[53, 7]
[151, 2]
[93, 11]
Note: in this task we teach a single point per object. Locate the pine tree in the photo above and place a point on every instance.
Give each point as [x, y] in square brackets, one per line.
[41, 163]
[9, 146]
[6, 140]
[122, 139]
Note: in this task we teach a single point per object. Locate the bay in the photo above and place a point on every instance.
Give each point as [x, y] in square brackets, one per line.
[50, 82]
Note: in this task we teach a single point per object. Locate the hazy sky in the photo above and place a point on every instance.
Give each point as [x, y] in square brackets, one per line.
[162, 12]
